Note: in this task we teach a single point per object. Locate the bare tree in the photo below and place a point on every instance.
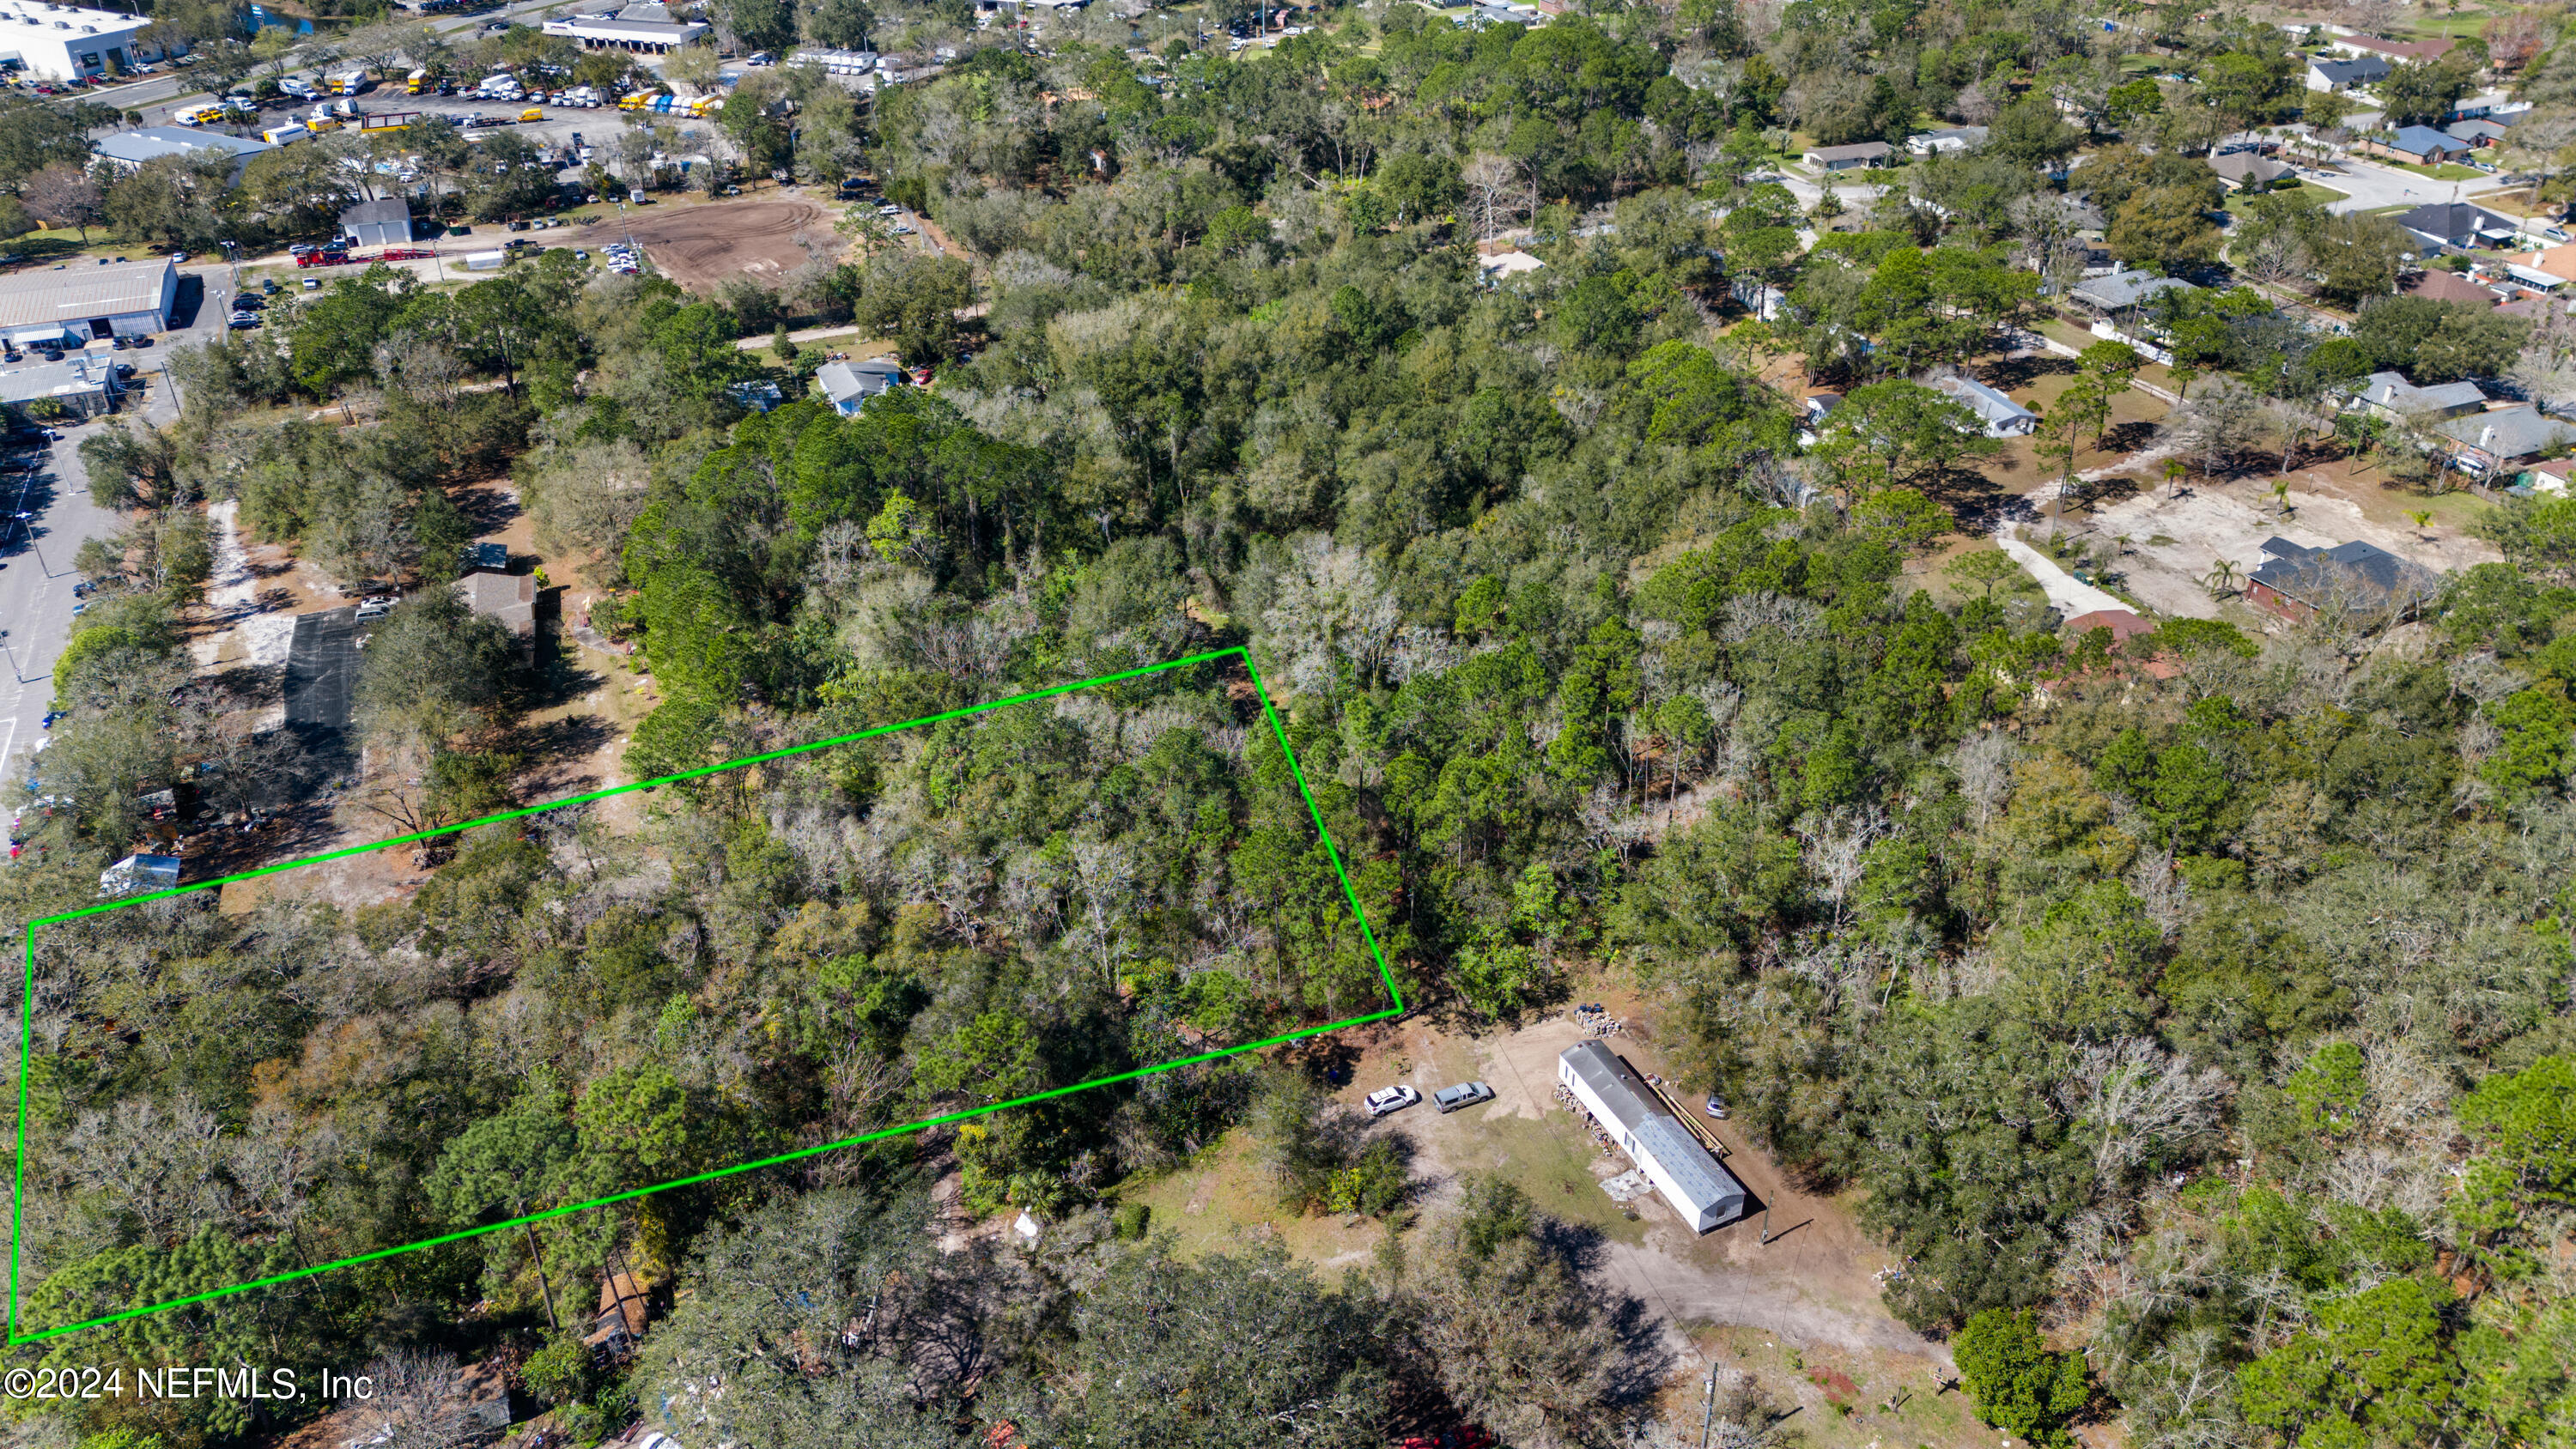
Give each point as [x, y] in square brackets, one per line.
[1500, 191]
[64, 196]
[2139, 1097]
[2221, 424]
[414, 1402]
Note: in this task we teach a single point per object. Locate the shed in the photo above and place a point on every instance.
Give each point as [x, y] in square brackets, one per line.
[385, 223]
[1695, 1183]
[139, 873]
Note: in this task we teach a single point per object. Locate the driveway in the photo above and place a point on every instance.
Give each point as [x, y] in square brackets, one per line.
[322, 685]
[2370, 187]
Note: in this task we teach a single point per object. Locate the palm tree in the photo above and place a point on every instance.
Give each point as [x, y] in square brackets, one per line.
[2175, 470]
[2222, 579]
[2281, 494]
[2420, 517]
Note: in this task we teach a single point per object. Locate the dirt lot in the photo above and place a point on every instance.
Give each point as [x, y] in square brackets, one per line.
[700, 245]
[1801, 1313]
[2175, 540]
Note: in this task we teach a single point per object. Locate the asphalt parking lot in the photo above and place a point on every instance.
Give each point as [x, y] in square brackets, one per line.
[322, 685]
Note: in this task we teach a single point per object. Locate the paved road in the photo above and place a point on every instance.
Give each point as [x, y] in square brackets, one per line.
[36, 576]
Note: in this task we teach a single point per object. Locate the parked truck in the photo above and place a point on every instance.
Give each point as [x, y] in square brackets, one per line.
[416, 82]
[348, 83]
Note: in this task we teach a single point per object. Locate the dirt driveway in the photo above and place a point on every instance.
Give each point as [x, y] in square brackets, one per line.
[1814, 1284]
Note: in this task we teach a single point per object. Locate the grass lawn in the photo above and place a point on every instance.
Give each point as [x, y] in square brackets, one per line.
[2444, 172]
[46, 247]
[2306, 193]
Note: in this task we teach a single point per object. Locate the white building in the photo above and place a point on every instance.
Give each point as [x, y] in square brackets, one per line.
[58, 42]
[1701, 1190]
[639, 29]
[89, 301]
[1997, 415]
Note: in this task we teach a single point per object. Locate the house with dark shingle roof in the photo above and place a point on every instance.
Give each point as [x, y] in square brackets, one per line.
[2446, 286]
[2245, 169]
[2326, 74]
[2299, 582]
[2455, 225]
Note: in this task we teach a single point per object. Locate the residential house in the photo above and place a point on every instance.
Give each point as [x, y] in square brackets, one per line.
[2122, 290]
[2299, 582]
[1956, 138]
[2479, 133]
[2456, 226]
[2550, 475]
[1857, 157]
[2531, 281]
[2500, 441]
[2557, 261]
[2392, 51]
[1757, 297]
[2247, 171]
[1500, 267]
[2389, 395]
[508, 598]
[1636, 1116]
[2416, 145]
[2343, 75]
[848, 385]
[1999, 415]
[2441, 285]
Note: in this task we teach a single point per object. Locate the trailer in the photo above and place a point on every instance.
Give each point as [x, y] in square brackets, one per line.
[387, 120]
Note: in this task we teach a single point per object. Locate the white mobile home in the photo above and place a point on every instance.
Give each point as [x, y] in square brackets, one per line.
[1697, 1186]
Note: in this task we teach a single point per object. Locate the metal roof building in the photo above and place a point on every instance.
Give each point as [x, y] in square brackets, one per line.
[89, 301]
[128, 150]
[1701, 1190]
[646, 29]
[83, 385]
[382, 223]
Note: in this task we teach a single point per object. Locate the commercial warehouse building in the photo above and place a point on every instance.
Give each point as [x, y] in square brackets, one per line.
[82, 301]
[1694, 1182]
[128, 150]
[82, 386]
[58, 42]
[644, 28]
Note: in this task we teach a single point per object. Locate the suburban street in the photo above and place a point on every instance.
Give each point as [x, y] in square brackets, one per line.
[2369, 187]
[36, 575]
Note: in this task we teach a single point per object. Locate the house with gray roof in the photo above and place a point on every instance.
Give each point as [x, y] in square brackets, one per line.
[849, 385]
[2246, 169]
[1998, 415]
[2300, 582]
[1635, 1116]
[2122, 290]
[1848, 158]
[2485, 445]
[2343, 75]
[2389, 395]
[1954, 138]
[2417, 146]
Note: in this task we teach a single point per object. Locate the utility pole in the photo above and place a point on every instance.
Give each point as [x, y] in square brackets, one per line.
[1708, 1407]
[12, 657]
[1766, 1227]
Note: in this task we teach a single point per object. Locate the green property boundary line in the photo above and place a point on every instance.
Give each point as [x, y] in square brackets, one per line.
[26, 1032]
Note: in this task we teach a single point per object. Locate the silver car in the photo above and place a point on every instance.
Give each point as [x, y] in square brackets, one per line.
[1465, 1094]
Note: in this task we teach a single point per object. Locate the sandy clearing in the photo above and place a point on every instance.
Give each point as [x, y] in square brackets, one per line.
[700, 246]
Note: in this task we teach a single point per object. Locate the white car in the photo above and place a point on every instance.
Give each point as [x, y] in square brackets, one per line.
[1390, 1099]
